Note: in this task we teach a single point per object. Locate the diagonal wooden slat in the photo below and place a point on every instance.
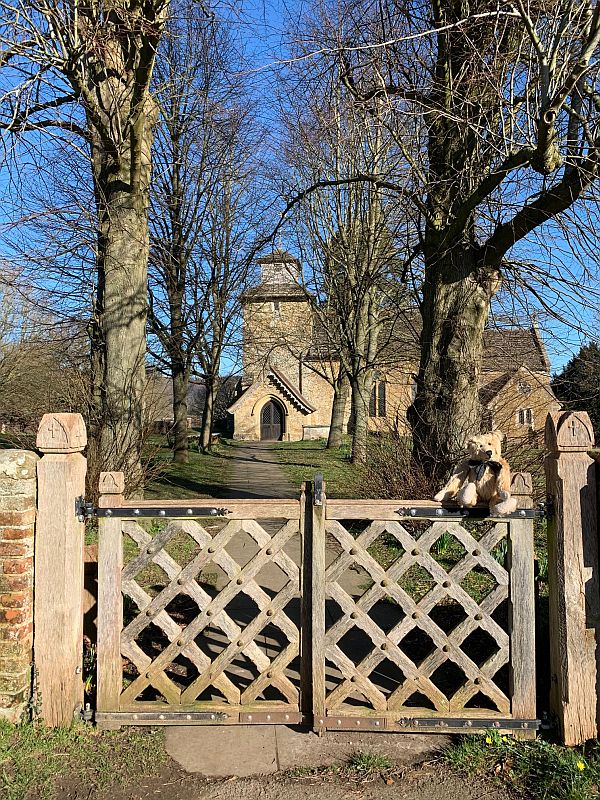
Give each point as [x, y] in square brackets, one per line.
[183, 581]
[163, 620]
[446, 584]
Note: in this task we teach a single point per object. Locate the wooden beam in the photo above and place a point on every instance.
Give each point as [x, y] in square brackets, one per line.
[573, 575]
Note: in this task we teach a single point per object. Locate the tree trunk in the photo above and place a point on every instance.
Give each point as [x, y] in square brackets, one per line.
[340, 396]
[94, 416]
[180, 377]
[361, 394]
[123, 326]
[208, 415]
[121, 185]
[455, 308]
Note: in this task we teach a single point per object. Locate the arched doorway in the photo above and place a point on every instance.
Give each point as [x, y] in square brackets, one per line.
[271, 422]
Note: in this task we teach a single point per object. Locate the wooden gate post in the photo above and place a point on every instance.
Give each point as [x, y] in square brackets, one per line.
[58, 609]
[573, 575]
[110, 602]
[522, 608]
[318, 599]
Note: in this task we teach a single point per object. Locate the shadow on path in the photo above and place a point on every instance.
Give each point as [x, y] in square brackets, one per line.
[257, 475]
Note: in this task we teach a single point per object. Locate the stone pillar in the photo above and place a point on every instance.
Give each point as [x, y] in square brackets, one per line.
[58, 636]
[17, 521]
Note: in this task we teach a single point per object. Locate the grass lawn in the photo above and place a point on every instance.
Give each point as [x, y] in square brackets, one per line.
[205, 475]
[301, 460]
[538, 769]
[49, 763]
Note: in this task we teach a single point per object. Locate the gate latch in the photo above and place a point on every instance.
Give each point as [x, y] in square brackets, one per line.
[83, 509]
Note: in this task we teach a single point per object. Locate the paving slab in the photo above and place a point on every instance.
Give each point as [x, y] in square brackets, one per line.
[246, 750]
[224, 750]
[303, 748]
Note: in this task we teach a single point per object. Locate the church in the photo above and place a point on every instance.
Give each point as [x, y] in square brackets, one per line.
[286, 390]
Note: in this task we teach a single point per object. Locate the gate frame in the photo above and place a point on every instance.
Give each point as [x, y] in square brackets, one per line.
[112, 510]
[311, 512]
[521, 625]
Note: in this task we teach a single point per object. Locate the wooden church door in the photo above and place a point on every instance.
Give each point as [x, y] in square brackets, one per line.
[271, 422]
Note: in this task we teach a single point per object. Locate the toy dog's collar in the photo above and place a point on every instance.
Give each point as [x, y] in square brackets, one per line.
[479, 467]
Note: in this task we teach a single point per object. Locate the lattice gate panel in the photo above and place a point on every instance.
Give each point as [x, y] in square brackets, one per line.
[203, 633]
[424, 626]
[391, 676]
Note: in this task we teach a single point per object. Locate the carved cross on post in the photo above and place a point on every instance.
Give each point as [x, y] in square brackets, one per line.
[61, 433]
[572, 425]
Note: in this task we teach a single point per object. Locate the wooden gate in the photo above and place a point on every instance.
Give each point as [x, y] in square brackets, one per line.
[422, 623]
[409, 617]
[187, 632]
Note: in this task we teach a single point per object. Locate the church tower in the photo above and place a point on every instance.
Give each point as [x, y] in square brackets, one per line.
[277, 319]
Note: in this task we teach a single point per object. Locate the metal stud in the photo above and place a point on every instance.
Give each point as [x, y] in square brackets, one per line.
[162, 513]
[108, 512]
[136, 511]
[189, 512]
[413, 512]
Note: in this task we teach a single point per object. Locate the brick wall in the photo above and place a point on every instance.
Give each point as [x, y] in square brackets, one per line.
[17, 520]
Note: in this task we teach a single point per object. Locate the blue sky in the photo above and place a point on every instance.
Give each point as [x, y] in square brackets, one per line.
[570, 315]
[262, 28]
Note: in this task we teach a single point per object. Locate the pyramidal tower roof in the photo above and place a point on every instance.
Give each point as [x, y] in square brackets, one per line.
[280, 278]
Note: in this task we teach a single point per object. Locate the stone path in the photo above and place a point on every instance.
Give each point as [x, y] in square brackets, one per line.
[245, 750]
[257, 474]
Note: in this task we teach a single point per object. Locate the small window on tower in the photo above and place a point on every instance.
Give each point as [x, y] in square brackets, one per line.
[276, 308]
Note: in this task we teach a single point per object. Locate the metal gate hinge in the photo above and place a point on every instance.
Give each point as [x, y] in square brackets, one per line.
[83, 509]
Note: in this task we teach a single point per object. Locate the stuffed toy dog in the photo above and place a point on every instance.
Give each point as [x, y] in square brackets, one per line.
[483, 477]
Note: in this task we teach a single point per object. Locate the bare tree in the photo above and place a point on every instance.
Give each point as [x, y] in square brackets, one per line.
[86, 70]
[351, 234]
[204, 216]
[495, 110]
[43, 362]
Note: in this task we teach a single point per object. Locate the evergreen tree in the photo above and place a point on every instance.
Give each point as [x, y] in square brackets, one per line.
[578, 385]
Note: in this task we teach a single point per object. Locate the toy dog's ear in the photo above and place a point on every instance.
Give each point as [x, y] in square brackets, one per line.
[499, 434]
